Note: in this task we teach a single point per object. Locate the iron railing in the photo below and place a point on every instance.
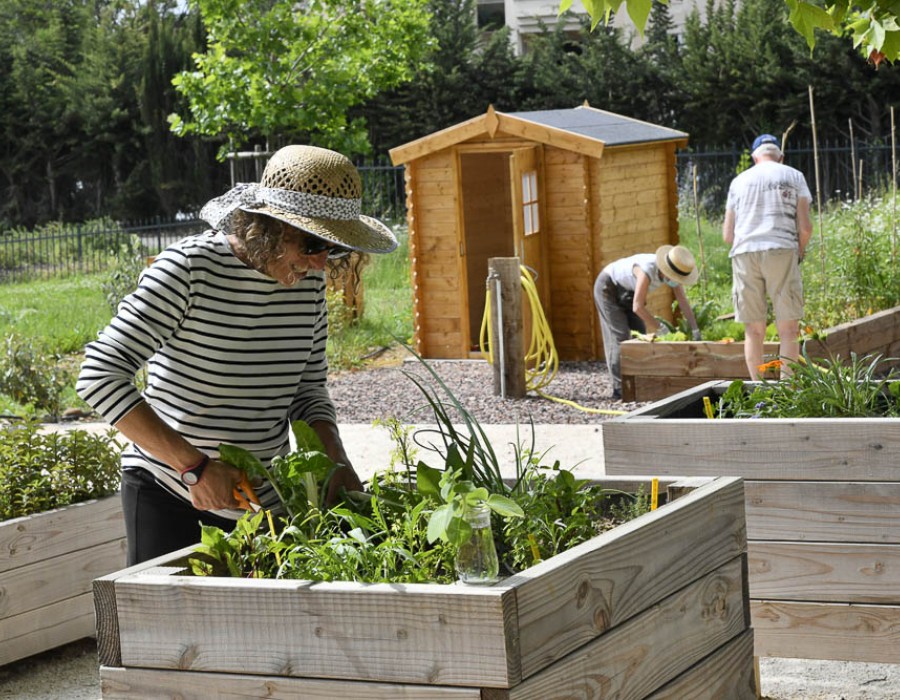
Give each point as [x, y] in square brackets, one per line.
[61, 249]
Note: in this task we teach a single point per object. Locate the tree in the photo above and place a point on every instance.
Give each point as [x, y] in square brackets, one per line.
[466, 70]
[872, 24]
[279, 67]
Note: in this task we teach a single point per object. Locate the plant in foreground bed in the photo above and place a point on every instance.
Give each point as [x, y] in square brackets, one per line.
[862, 387]
[417, 522]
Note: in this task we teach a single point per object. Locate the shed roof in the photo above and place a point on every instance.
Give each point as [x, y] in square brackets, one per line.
[583, 129]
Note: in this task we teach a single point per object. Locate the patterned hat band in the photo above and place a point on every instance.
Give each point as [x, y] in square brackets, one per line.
[252, 196]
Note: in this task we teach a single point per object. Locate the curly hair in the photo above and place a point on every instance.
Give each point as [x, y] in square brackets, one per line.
[262, 241]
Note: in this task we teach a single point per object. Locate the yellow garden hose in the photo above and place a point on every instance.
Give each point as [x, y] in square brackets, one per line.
[541, 353]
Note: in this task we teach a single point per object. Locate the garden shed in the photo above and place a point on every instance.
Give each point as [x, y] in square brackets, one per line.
[566, 191]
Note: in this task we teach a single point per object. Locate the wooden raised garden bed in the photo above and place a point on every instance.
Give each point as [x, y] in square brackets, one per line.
[48, 562]
[823, 516]
[649, 609]
[652, 371]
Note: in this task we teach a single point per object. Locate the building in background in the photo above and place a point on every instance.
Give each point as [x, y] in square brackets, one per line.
[526, 17]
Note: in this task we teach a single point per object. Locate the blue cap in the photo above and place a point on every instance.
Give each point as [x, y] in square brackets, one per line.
[763, 139]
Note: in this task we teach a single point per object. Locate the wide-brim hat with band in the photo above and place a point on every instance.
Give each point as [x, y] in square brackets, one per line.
[677, 263]
[313, 189]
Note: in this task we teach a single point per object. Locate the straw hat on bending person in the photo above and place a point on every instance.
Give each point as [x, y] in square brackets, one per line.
[676, 263]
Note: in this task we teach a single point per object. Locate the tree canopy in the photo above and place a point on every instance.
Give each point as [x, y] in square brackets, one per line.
[871, 23]
[282, 68]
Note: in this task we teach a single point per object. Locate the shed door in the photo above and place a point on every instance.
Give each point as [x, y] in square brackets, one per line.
[527, 204]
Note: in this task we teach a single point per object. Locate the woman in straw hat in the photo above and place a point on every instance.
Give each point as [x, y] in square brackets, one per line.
[620, 295]
[232, 325]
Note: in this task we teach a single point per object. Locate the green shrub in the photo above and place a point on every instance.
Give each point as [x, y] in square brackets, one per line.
[122, 279]
[32, 377]
[40, 471]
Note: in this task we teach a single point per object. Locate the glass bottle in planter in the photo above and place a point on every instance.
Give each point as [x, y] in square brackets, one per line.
[476, 558]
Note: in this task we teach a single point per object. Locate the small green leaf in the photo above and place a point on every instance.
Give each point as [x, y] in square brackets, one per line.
[504, 506]
[307, 438]
[243, 459]
[439, 523]
[428, 480]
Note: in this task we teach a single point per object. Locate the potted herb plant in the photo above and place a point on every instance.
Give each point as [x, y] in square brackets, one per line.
[60, 527]
[818, 452]
[364, 601]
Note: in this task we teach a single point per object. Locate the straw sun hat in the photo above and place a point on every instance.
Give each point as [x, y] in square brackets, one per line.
[677, 263]
[314, 189]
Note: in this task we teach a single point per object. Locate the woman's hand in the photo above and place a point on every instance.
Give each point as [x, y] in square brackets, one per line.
[345, 478]
[215, 490]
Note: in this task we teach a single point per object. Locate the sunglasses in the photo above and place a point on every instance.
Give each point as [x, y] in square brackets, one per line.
[316, 246]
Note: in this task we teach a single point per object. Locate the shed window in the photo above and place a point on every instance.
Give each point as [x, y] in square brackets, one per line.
[530, 202]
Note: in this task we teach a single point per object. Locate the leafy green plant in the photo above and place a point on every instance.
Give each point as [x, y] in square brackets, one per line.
[122, 278]
[862, 387]
[33, 377]
[409, 528]
[458, 497]
[300, 478]
[40, 471]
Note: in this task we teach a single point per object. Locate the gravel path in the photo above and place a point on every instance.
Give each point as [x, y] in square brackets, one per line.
[387, 391]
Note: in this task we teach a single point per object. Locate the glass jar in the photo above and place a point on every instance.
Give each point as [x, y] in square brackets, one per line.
[476, 559]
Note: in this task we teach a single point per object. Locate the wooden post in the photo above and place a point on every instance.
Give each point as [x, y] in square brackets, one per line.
[504, 282]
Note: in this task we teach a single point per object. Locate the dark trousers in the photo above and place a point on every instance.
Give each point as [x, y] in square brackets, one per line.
[157, 522]
[617, 320]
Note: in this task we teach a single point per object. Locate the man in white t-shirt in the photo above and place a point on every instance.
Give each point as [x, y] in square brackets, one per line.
[768, 226]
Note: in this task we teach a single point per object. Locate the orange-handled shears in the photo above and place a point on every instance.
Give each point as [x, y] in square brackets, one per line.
[246, 496]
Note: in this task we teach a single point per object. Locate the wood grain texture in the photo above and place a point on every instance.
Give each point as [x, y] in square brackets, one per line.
[578, 595]
[825, 571]
[869, 633]
[145, 684]
[811, 449]
[639, 656]
[47, 563]
[46, 628]
[829, 511]
[726, 673]
[447, 635]
[58, 578]
[42, 536]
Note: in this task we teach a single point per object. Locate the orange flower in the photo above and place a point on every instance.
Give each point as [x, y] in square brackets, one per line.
[774, 364]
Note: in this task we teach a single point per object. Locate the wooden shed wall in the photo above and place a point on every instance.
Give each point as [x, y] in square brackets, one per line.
[433, 201]
[635, 212]
[567, 223]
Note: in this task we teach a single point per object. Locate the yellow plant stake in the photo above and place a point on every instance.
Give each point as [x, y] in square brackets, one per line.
[274, 535]
[654, 493]
[707, 407]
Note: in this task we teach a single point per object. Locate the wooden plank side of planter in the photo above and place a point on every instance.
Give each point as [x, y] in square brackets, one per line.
[698, 359]
[445, 635]
[869, 633]
[572, 598]
[52, 580]
[825, 571]
[871, 334]
[144, 684]
[839, 511]
[635, 658]
[726, 673]
[814, 449]
[46, 628]
[32, 538]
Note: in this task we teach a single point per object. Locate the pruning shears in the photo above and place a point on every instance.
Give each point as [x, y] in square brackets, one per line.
[246, 496]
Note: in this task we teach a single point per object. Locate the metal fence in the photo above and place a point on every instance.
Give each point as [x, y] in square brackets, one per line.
[845, 172]
[61, 249]
[65, 249]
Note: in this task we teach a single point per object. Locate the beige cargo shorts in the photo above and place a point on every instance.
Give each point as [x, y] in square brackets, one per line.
[773, 273]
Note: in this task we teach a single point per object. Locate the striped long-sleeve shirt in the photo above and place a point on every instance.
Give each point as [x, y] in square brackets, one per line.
[231, 355]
